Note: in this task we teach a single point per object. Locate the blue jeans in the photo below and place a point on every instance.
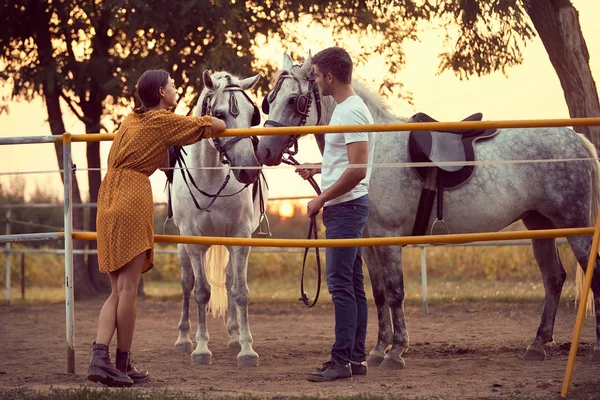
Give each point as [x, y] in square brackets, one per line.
[345, 279]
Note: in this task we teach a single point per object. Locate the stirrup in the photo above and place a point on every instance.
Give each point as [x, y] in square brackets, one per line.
[440, 222]
[165, 225]
[260, 227]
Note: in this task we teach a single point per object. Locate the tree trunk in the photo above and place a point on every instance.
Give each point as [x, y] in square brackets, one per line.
[82, 285]
[51, 89]
[100, 280]
[93, 109]
[557, 23]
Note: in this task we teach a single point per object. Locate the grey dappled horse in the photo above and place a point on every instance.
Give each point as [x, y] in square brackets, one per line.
[234, 216]
[542, 195]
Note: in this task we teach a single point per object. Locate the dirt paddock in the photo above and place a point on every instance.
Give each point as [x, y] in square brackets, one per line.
[458, 351]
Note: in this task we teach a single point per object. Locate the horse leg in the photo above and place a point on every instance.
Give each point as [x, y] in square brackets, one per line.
[240, 294]
[553, 275]
[184, 343]
[384, 333]
[201, 355]
[581, 246]
[390, 258]
[233, 324]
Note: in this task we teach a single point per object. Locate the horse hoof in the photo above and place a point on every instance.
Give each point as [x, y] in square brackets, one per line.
[234, 347]
[534, 354]
[392, 364]
[201, 359]
[248, 361]
[184, 347]
[374, 360]
[596, 356]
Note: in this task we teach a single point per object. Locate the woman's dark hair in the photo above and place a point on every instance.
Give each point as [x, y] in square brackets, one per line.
[146, 89]
[336, 61]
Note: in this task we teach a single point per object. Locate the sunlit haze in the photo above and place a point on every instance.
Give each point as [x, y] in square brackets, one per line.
[531, 90]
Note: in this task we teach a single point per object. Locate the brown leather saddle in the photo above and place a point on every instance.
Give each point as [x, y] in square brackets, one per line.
[441, 147]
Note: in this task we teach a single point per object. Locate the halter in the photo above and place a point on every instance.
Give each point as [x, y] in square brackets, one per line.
[302, 103]
[235, 111]
[221, 149]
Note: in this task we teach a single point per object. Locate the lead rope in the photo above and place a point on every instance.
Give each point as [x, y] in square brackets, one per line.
[312, 233]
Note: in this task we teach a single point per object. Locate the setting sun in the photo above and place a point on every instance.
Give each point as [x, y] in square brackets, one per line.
[286, 210]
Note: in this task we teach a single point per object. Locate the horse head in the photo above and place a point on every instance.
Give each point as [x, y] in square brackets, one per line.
[224, 96]
[294, 100]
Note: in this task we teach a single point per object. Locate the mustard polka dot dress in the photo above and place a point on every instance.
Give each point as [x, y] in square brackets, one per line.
[125, 220]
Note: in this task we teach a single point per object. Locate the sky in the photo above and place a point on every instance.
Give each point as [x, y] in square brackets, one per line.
[530, 91]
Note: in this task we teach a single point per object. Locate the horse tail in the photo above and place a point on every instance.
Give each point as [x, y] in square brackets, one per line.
[217, 257]
[593, 153]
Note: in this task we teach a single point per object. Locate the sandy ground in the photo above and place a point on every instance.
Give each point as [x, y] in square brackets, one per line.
[458, 351]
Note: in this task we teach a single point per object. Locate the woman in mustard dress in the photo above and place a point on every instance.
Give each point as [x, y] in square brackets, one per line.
[125, 221]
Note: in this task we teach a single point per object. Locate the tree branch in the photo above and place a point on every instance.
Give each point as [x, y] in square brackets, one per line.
[70, 102]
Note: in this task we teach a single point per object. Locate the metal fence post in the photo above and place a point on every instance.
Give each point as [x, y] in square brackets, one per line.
[7, 252]
[424, 278]
[23, 276]
[69, 294]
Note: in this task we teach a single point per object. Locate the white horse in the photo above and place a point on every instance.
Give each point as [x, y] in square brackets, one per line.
[235, 214]
[544, 195]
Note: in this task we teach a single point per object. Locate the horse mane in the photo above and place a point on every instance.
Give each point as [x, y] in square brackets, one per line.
[380, 110]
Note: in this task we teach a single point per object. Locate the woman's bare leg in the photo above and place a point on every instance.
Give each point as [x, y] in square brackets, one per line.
[128, 280]
[107, 321]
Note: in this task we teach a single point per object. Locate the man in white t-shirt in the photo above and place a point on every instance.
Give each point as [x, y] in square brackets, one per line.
[345, 209]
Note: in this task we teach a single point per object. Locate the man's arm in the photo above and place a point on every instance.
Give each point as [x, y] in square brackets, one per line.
[305, 172]
[358, 153]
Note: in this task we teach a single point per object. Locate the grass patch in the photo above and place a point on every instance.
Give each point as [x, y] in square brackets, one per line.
[438, 291]
[288, 289]
[498, 274]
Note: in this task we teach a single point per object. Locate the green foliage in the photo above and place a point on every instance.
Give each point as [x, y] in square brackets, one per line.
[94, 52]
[482, 37]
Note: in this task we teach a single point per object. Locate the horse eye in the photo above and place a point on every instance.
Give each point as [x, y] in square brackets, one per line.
[220, 115]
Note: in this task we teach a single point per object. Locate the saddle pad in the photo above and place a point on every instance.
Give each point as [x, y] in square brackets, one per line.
[460, 174]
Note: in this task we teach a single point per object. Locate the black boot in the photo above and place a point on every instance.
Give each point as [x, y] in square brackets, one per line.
[102, 371]
[125, 364]
[331, 371]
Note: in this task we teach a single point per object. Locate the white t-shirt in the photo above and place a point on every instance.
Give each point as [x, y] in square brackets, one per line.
[351, 111]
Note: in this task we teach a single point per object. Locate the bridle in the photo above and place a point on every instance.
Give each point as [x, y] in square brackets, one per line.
[302, 103]
[235, 111]
[220, 147]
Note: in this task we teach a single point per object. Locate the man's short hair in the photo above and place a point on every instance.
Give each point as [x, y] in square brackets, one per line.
[336, 61]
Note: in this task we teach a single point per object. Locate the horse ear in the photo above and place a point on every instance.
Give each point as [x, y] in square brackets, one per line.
[287, 62]
[249, 82]
[208, 81]
[307, 65]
